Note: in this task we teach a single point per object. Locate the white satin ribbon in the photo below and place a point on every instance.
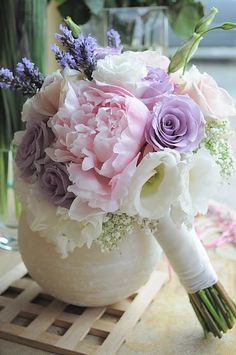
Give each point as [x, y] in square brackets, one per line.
[187, 255]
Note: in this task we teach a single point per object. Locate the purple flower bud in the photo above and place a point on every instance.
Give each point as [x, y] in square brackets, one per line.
[177, 123]
[80, 52]
[113, 39]
[28, 79]
[86, 54]
[54, 182]
[6, 77]
[31, 151]
[65, 59]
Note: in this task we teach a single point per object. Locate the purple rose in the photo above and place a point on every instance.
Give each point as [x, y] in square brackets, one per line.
[155, 84]
[177, 123]
[31, 151]
[54, 181]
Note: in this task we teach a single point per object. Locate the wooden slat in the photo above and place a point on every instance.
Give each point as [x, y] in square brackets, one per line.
[47, 326]
[44, 320]
[80, 328]
[6, 280]
[132, 314]
[9, 313]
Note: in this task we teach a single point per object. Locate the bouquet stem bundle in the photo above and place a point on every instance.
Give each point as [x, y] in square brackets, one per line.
[214, 309]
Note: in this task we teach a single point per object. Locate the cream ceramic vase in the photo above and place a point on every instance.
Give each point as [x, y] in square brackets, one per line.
[88, 277]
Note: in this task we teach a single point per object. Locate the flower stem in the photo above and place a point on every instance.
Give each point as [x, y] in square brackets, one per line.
[214, 309]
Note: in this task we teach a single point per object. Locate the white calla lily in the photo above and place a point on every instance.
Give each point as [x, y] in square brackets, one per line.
[199, 177]
[154, 185]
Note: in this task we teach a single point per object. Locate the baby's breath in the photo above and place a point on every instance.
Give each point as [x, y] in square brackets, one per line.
[216, 141]
[118, 225]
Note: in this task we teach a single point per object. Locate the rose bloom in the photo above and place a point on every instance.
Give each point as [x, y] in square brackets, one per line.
[124, 70]
[46, 101]
[54, 182]
[31, 150]
[100, 132]
[177, 123]
[152, 88]
[152, 59]
[214, 101]
[142, 73]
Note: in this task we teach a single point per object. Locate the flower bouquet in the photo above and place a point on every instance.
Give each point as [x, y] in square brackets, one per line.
[118, 141]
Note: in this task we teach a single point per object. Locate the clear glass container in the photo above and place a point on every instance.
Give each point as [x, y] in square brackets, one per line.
[141, 28]
[9, 203]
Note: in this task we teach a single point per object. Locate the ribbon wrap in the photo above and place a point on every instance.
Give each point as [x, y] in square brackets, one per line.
[186, 254]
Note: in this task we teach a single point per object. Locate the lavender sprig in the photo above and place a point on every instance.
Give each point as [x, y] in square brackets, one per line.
[113, 39]
[28, 70]
[86, 54]
[65, 59]
[80, 52]
[27, 80]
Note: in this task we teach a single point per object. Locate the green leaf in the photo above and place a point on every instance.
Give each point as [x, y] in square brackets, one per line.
[95, 6]
[183, 17]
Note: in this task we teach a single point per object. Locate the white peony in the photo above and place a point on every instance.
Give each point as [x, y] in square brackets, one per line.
[124, 70]
[199, 178]
[154, 186]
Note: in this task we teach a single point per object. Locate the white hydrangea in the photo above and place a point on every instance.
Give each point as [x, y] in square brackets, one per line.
[54, 223]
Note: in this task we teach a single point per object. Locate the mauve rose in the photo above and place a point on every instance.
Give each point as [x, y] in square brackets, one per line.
[31, 151]
[177, 123]
[54, 181]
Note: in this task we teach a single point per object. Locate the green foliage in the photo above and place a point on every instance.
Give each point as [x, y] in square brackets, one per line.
[22, 34]
[183, 54]
[183, 14]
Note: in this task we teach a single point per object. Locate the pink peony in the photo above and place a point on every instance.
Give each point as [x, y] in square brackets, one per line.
[213, 101]
[99, 132]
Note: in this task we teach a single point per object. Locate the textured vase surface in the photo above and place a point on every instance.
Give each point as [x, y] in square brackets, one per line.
[89, 277]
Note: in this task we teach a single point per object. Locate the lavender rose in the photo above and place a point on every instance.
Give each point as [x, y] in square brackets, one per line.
[31, 151]
[54, 181]
[154, 85]
[177, 123]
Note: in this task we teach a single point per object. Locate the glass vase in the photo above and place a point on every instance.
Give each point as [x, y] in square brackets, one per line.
[9, 204]
[140, 28]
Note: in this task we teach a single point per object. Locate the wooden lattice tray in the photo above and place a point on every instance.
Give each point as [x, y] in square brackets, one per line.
[33, 318]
